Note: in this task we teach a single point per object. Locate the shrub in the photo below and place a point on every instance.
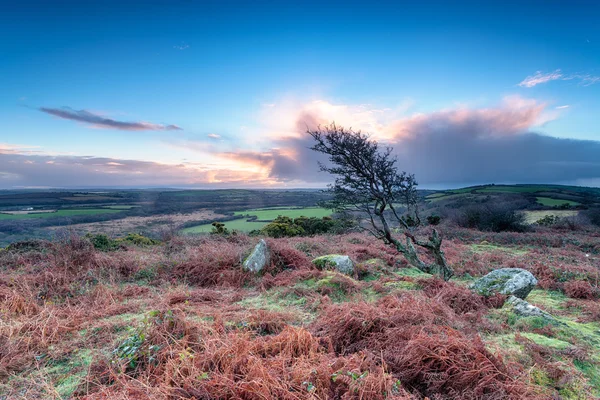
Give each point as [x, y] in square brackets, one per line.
[433, 219]
[284, 226]
[579, 290]
[103, 243]
[492, 218]
[548, 220]
[138, 240]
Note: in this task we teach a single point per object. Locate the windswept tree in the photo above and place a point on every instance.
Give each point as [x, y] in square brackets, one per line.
[367, 182]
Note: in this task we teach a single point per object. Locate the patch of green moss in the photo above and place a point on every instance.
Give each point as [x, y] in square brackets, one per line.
[489, 248]
[592, 373]
[412, 272]
[402, 285]
[275, 300]
[546, 341]
[68, 373]
[547, 300]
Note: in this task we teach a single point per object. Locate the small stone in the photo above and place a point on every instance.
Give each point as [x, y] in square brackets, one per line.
[338, 262]
[524, 309]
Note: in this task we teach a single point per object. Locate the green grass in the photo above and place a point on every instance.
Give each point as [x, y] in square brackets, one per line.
[531, 217]
[237, 224]
[549, 202]
[447, 197]
[263, 214]
[489, 248]
[269, 214]
[513, 189]
[59, 213]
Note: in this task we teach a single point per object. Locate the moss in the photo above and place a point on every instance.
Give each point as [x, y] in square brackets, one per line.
[402, 285]
[546, 341]
[489, 248]
[592, 373]
[528, 323]
[412, 272]
[275, 300]
[68, 373]
[547, 299]
[539, 377]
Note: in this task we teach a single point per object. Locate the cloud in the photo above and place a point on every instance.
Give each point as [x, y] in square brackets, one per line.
[43, 170]
[214, 136]
[449, 147]
[182, 46]
[99, 121]
[540, 77]
[562, 107]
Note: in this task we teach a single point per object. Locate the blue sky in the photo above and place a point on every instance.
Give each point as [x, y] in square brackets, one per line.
[236, 79]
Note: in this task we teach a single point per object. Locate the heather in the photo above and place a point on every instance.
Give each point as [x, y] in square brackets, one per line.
[182, 319]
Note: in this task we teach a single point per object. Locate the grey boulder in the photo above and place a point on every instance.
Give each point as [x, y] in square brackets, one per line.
[259, 258]
[511, 281]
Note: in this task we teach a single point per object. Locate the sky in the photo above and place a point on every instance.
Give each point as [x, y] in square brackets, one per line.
[215, 94]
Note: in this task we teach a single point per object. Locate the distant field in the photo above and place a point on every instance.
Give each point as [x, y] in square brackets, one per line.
[531, 217]
[59, 213]
[513, 189]
[269, 214]
[445, 196]
[547, 201]
[262, 214]
[123, 207]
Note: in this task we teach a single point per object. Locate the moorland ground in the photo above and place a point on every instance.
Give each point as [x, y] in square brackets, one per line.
[176, 316]
[182, 319]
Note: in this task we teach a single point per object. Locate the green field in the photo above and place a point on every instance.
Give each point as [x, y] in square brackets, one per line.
[513, 189]
[549, 202]
[262, 214]
[531, 217]
[123, 207]
[59, 213]
[269, 214]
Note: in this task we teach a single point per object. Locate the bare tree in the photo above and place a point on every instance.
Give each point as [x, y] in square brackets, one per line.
[367, 181]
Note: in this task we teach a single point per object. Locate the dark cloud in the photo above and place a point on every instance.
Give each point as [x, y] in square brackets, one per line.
[99, 121]
[456, 147]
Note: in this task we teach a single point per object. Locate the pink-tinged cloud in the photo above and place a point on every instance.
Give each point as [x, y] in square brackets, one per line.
[43, 170]
[98, 121]
[456, 146]
[540, 77]
[515, 115]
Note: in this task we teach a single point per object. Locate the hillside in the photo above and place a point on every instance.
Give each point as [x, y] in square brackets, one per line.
[182, 319]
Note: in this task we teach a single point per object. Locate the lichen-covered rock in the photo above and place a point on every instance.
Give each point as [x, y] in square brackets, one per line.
[338, 262]
[524, 309]
[259, 258]
[511, 281]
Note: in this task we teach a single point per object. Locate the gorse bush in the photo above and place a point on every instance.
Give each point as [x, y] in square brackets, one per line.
[498, 218]
[302, 226]
[104, 243]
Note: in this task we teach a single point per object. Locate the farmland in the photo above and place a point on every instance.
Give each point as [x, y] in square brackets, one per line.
[550, 202]
[59, 213]
[262, 217]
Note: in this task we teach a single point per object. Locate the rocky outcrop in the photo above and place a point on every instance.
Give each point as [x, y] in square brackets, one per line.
[259, 258]
[337, 262]
[510, 281]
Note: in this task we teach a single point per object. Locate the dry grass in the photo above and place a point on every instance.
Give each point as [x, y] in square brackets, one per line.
[183, 320]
